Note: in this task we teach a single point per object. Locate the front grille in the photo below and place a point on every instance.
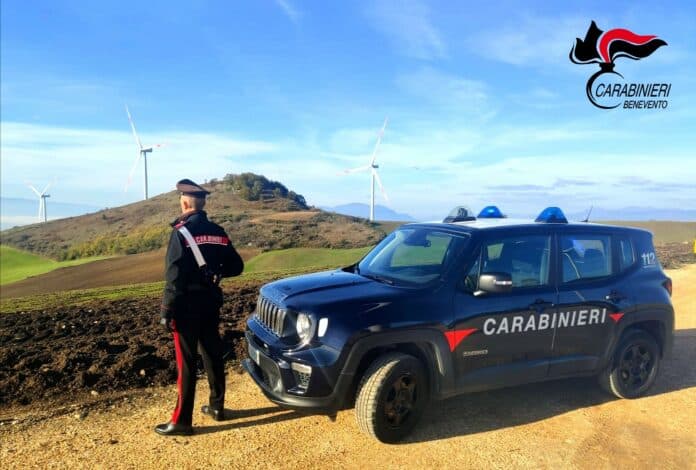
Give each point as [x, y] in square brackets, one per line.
[271, 316]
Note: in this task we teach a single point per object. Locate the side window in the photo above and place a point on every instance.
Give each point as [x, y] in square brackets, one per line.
[627, 256]
[525, 258]
[585, 256]
[471, 278]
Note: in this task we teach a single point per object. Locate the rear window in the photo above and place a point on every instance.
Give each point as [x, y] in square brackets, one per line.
[627, 257]
[585, 256]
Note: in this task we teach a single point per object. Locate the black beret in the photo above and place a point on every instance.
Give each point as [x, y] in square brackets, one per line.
[188, 187]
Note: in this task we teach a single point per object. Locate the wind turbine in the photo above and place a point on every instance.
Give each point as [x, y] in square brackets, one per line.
[42, 200]
[373, 172]
[142, 152]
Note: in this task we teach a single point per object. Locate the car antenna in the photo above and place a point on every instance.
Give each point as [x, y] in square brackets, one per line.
[587, 219]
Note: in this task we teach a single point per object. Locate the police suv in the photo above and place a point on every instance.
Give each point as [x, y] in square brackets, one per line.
[469, 304]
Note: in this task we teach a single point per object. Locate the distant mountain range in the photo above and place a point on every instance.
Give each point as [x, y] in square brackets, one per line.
[16, 211]
[357, 209]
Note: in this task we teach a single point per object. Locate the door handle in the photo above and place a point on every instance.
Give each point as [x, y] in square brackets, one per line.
[540, 305]
[614, 297]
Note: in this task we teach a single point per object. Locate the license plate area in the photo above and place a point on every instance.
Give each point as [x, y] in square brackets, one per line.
[254, 354]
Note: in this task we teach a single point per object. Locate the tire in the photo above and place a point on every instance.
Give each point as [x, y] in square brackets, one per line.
[634, 367]
[392, 396]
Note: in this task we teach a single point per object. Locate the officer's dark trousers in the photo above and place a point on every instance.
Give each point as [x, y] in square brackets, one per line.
[198, 331]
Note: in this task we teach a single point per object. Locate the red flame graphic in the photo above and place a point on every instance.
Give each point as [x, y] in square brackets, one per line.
[623, 35]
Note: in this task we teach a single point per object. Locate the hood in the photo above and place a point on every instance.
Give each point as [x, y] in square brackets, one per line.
[330, 287]
[308, 283]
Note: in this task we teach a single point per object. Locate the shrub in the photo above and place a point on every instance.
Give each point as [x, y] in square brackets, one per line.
[253, 187]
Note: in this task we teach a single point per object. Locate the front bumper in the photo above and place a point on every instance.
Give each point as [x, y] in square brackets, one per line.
[278, 382]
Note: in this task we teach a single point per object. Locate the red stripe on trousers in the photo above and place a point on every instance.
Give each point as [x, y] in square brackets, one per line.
[179, 366]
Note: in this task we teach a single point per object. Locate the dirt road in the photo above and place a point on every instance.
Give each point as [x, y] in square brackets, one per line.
[559, 424]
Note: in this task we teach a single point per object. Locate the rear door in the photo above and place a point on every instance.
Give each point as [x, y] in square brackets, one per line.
[505, 339]
[593, 299]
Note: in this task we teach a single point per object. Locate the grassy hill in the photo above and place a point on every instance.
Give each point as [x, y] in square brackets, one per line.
[255, 212]
[16, 264]
[301, 258]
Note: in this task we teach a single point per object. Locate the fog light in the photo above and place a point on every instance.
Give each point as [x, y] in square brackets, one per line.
[301, 368]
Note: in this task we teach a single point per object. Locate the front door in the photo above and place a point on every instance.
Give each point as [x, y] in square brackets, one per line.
[505, 339]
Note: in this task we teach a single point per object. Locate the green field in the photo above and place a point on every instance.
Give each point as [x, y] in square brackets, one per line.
[16, 265]
[130, 291]
[304, 258]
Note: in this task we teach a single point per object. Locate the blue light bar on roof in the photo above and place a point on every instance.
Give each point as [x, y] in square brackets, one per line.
[459, 214]
[490, 212]
[552, 215]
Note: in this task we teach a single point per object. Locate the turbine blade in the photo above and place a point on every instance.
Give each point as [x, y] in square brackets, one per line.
[48, 186]
[356, 170]
[379, 183]
[379, 141]
[130, 175]
[34, 189]
[135, 133]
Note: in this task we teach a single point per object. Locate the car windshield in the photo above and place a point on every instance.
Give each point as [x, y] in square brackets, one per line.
[412, 256]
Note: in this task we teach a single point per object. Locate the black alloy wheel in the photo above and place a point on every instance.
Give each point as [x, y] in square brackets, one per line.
[635, 366]
[401, 399]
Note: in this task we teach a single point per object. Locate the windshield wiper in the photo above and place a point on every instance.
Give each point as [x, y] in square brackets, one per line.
[379, 278]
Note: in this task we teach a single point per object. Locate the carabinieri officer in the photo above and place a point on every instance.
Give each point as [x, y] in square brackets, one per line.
[199, 255]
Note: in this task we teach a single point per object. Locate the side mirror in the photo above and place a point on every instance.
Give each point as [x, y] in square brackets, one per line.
[494, 283]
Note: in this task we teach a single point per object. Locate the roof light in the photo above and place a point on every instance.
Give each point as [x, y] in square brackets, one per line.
[491, 212]
[552, 215]
[459, 214]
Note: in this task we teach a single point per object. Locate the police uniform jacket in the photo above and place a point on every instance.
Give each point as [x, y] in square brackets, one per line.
[187, 291]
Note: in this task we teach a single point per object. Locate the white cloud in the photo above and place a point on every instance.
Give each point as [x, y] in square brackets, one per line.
[92, 165]
[447, 90]
[426, 167]
[290, 11]
[530, 40]
[407, 24]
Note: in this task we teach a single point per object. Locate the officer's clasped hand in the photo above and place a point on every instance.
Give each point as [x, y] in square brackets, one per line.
[169, 324]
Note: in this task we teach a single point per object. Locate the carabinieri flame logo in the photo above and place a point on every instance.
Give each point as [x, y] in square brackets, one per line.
[603, 48]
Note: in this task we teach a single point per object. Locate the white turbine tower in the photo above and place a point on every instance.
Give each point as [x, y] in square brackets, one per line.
[373, 172]
[42, 200]
[142, 152]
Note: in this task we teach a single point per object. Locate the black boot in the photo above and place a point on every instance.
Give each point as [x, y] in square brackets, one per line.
[217, 415]
[172, 429]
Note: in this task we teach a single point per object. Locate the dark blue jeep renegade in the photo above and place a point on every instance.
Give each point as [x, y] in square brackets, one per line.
[469, 304]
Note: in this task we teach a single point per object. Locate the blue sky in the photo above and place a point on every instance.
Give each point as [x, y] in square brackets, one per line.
[484, 104]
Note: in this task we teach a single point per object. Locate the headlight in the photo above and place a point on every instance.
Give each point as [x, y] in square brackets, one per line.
[305, 327]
